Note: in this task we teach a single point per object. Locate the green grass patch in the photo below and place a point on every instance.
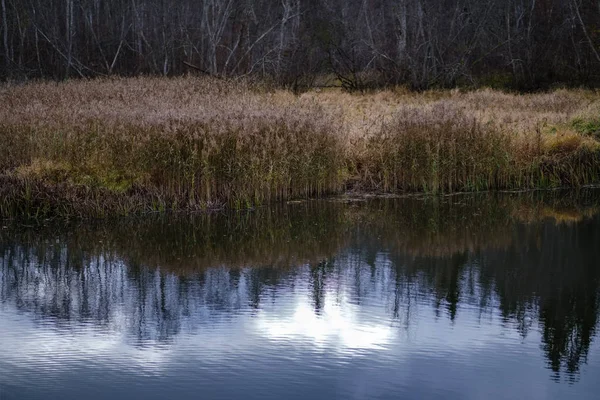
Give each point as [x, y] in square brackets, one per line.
[590, 127]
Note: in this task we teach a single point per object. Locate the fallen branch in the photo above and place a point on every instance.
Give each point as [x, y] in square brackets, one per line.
[187, 64]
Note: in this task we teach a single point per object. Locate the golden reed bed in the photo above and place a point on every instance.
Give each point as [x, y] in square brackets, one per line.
[121, 146]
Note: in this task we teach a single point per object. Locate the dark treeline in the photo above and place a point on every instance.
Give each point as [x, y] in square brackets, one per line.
[524, 44]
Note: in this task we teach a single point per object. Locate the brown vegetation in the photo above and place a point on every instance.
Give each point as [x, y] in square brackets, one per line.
[122, 146]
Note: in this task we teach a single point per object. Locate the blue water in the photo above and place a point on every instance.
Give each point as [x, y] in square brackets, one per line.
[459, 298]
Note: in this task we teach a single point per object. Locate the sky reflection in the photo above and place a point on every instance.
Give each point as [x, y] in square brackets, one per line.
[367, 315]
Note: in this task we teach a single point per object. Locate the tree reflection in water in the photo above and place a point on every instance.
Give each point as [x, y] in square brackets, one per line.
[530, 258]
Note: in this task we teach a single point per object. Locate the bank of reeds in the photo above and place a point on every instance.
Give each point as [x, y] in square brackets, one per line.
[447, 146]
[124, 146]
[105, 150]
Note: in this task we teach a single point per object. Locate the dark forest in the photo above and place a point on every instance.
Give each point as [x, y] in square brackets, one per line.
[358, 44]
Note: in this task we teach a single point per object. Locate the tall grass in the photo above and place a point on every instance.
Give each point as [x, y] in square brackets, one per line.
[214, 154]
[441, 148]
[435, 149]
[124, 146]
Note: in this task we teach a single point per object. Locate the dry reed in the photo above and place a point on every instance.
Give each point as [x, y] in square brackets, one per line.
[121, 146]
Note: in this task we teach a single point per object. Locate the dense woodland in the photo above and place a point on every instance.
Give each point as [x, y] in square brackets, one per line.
[525, 44]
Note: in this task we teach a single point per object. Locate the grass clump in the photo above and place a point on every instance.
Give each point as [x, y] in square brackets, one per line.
[587, 127]
[479, 141]
[436, 149]
[587, 121]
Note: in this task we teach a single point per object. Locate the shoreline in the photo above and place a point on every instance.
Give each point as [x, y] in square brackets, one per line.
[47, 206]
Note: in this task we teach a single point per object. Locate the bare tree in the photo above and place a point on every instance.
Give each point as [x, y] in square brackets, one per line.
[5, 37]
[365, 43]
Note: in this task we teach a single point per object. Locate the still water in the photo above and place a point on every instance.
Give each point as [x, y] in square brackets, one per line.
[463, 297]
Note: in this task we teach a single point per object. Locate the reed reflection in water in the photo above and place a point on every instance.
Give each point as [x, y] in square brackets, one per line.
[467, 296]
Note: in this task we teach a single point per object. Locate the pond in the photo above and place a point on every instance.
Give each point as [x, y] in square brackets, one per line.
[491, 296]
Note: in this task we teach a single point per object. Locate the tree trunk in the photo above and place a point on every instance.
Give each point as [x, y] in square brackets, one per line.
[402, 33]
[69, 35]
[5, 39]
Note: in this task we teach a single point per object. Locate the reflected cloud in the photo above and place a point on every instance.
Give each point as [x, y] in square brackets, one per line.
[53, 350]
[333, 327]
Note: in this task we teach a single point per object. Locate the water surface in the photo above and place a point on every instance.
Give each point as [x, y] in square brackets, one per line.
[462, 297]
